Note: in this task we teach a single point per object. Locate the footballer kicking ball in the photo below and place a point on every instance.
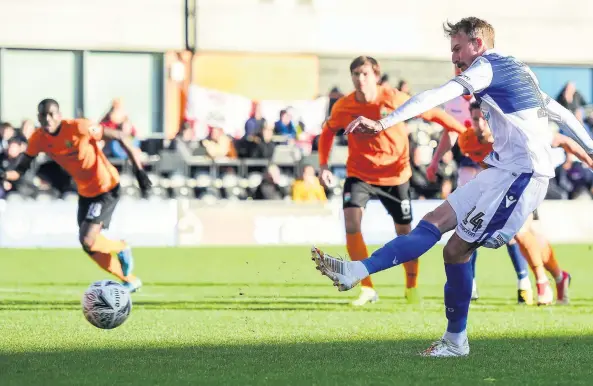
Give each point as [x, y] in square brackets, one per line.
[106, 304]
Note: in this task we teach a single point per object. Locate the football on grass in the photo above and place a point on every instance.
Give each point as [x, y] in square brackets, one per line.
[106, 304]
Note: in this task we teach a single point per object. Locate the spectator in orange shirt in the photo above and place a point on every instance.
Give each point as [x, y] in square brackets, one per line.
[218, 144]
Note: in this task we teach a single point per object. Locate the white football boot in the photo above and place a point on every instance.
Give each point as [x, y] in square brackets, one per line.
[445, 348]
[338, 270]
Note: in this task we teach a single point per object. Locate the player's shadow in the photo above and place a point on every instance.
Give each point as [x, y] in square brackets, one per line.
[525, 361]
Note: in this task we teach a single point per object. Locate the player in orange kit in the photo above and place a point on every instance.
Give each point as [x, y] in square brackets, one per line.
[476, 144]
[73, 144]
[377, 166]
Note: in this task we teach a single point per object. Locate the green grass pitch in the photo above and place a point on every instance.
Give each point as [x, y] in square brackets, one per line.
[264, 316]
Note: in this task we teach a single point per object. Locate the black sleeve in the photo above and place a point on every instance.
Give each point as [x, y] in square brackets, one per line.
[23, 163]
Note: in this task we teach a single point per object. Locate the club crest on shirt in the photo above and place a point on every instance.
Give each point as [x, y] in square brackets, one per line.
[69, 144]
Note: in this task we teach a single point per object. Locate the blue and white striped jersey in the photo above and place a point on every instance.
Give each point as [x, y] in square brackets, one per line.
[515, 109]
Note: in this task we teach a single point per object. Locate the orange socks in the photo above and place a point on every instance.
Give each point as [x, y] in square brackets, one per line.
[109, 264]
[105, 245]
[411, 268]
[357, 250]
[550, 261]
[101, 252]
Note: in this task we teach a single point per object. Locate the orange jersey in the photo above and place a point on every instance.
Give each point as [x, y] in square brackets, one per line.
[470, 146]
[74, 147]
[382, 159]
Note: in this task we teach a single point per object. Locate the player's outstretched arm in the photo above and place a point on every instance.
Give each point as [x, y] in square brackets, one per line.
[423, 102]
[570, 146]
[143, 180]
[567, 121]
[441, 117]
[414, 107]
[326, 140]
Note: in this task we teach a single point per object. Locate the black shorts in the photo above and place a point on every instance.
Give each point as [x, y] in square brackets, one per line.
[99, 209]
[396, 199]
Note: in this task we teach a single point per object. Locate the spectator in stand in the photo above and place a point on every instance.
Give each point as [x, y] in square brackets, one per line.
[404, 86]
[308, 188]
[114, 149]
[570, 98]
[333, 96]
[116, 116]
[384, 81]
[589, 121]
[574, 178]
[15, 146]
[284, 126]
[422, 188]
[185, 142]
[6, 133]
[447, 169]
[299, 126]
[218, 144]
[27, 129]
[261, 145]
[446, 188]
[256, 122]
[580, 115]
[269, 188]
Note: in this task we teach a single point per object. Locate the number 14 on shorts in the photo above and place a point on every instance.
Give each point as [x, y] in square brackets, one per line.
[476, 220]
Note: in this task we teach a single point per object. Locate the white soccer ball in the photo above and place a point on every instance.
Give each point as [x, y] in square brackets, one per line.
[106, 304]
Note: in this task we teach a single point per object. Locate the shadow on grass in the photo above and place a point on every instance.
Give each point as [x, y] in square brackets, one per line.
[273, 303]
[534, 361]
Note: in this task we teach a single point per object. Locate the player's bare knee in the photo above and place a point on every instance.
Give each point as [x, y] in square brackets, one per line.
[352, 220]
[457, 251]
[451, 254]
[443, 217]
[86, 241]
[403, 229]
[352, 227]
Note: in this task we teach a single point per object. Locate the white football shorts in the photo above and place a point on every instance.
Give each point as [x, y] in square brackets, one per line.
[492, 207]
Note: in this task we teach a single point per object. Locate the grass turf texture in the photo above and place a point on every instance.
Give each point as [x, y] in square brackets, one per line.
[265, 316]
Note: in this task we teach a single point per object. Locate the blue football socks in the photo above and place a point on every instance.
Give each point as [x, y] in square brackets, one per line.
[404, 248]
[458, 293]
[519, 262]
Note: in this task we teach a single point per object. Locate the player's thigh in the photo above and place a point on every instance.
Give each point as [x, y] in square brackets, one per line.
[98, 210]
[87, 234]
[465, 174]
[493, 207]
[356, 195]
[396, 200]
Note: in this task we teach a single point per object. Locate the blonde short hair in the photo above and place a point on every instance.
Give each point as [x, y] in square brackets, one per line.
[473, 28]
